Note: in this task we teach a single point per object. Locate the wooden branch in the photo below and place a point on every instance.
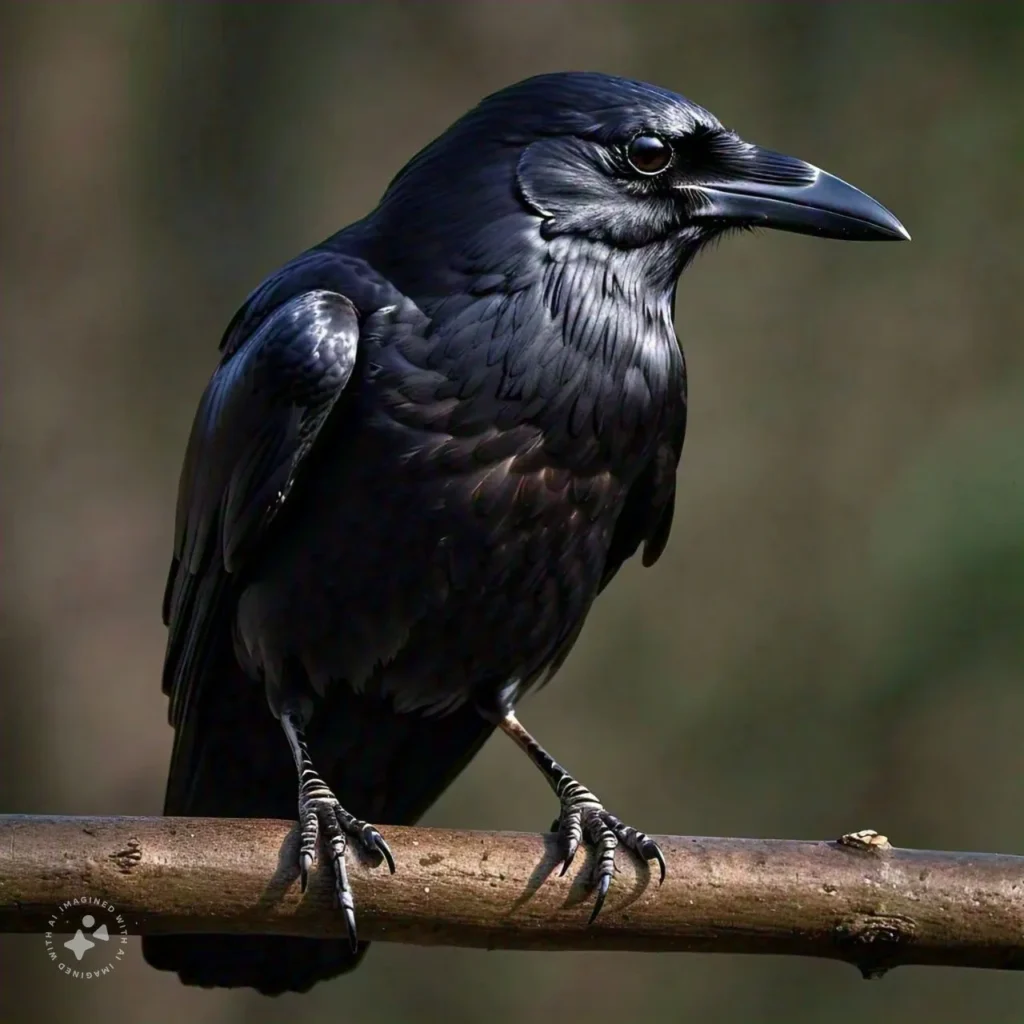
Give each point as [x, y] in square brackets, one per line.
[857, 899]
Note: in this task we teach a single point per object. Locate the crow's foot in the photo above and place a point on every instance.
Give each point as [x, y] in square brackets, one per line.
[584, 819]
[321, 813]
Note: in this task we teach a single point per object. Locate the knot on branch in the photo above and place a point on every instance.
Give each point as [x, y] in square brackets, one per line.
[875, 943]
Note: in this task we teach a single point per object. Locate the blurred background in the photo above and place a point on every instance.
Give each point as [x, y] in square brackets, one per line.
[833, 639]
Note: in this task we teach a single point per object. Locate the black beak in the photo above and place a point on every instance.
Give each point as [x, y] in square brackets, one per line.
[765, 189]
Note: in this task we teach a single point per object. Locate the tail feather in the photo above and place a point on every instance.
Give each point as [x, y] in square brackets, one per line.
[271, 964]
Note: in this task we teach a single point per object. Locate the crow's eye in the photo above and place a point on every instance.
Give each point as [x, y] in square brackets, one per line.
[649, 154]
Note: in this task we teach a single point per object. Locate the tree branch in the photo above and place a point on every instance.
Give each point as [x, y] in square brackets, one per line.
[858, 899]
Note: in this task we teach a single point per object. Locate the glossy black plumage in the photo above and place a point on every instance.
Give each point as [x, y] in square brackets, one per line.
[431, 441]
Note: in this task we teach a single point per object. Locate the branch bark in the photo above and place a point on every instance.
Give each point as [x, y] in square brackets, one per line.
[857, 899]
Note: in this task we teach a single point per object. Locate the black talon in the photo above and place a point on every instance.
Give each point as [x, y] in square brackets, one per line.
[350, 927]
[569, 857]
[567, 852]
[603, 884]
[656, 854]
[384, 850]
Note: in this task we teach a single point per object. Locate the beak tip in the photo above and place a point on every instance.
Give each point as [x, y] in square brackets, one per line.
[892, 231]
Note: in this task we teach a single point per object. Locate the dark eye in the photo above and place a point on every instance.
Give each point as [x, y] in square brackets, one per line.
[648, 154]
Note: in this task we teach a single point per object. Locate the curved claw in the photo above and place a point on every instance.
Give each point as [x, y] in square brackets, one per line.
[653, 852]
[603, 884]
[570, 854]
[350, 927]
[385, 851]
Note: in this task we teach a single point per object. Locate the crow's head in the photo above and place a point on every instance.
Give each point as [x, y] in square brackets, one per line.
[619, 163]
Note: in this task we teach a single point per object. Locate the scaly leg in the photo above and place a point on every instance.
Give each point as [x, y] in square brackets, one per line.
[583, 817]
[319, 810]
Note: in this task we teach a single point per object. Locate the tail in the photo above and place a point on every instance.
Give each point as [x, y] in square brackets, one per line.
[271, 964]
[231, 760]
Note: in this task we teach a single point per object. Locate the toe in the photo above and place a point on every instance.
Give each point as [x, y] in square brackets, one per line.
[343, 894]
[604, 840]
[570, 835]
[372, 842]
[639, 842]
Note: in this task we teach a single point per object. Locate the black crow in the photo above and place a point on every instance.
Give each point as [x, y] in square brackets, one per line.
[430, 443]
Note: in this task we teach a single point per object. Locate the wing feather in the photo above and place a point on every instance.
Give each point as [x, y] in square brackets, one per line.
[259, 418]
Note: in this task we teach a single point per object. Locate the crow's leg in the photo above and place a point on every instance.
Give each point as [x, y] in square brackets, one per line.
[320, 811]
[583, 818]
